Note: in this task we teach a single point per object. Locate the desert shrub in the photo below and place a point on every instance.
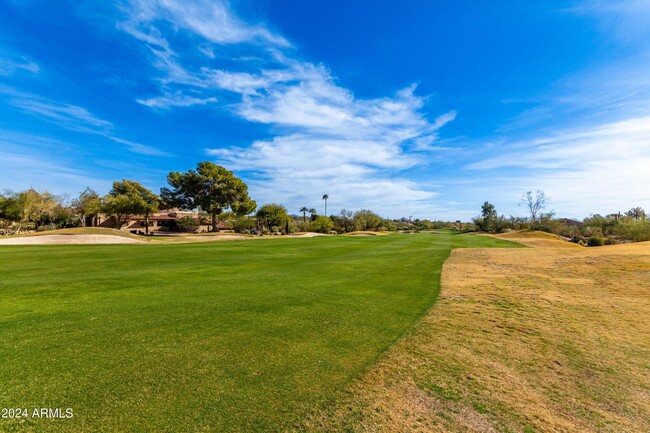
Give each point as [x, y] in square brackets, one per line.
[595, 241]
[46, 227]
[637, 231]
[321, 224]
[294, 226]
[567, 231]
[388, 225]
[547, 223]
[272, 214]
[469, 227]
[241, 224]
[187, 223]
[598, 224]
[366, 220]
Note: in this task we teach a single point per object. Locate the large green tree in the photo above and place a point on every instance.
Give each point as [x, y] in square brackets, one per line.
[86, 205]
[8, 209]
[129, 198]
[119, 208]
[145, 201]
[488, 219]
[29, 207]
[273, 215]
[211, 188]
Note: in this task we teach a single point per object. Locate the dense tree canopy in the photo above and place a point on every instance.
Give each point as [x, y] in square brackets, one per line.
[365, 219]
[211, 188]
[144, 201]
[87, 204]
[273, 215]
[129, 198]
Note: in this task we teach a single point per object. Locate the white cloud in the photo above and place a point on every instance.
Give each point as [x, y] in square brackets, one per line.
[327, 140]
[70, 116]
[603, 168]
[625, 20]
[176, 99]
[11, 63]
[210, 19]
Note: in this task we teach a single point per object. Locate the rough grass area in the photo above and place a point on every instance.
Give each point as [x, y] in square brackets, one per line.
[240, 336]
[552, 338]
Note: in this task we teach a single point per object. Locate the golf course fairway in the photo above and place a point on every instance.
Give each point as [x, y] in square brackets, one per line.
[231, 336]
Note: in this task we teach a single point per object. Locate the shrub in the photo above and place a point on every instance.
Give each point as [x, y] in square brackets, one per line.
[595, 241]
[637, 231]
[273, 214]
[321, 224]
[46, 227]
[241, 224]
[366, 220]
[187, 223]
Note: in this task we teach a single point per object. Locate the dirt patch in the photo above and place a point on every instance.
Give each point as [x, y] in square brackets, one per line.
[69, 239]
[550, 338]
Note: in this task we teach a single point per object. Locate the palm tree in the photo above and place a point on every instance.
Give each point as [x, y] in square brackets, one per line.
[325, 197]
[637, 213]
[312, 214]
[304, 211]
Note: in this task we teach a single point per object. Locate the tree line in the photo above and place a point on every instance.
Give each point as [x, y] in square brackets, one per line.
[594, 230]
[215, 192]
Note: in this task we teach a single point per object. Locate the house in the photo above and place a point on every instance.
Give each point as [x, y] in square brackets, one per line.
[570, 222]
[166, 221]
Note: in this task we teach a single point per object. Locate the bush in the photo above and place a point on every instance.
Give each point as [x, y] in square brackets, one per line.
[637, 231]
[366, 220]
[321, 224]
[187, 223]
[273, 214]
[46, 227]
[241, 224]
[595, 241]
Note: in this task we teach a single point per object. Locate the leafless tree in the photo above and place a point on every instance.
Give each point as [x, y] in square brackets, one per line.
[534, 203]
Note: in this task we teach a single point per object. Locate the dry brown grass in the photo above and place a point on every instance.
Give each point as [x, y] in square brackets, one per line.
[554, 338]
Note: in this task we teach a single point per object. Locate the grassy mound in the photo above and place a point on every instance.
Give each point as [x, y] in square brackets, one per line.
[542, 339]
[537, 239]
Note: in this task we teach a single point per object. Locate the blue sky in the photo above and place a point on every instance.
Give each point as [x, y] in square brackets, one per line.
[422, 109]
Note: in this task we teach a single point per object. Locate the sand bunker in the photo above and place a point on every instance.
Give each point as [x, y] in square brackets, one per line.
[69, 239]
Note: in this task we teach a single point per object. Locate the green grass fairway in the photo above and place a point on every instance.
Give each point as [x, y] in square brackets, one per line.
[238, 336]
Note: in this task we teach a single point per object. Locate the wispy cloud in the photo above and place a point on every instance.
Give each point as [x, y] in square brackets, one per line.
[586, 140]
[326, 139]
[175, 100]
[72, 117]
[10, 63]
[42, 162]
[212, 20]
[602, 168]
[625, 20]
[69, 116]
